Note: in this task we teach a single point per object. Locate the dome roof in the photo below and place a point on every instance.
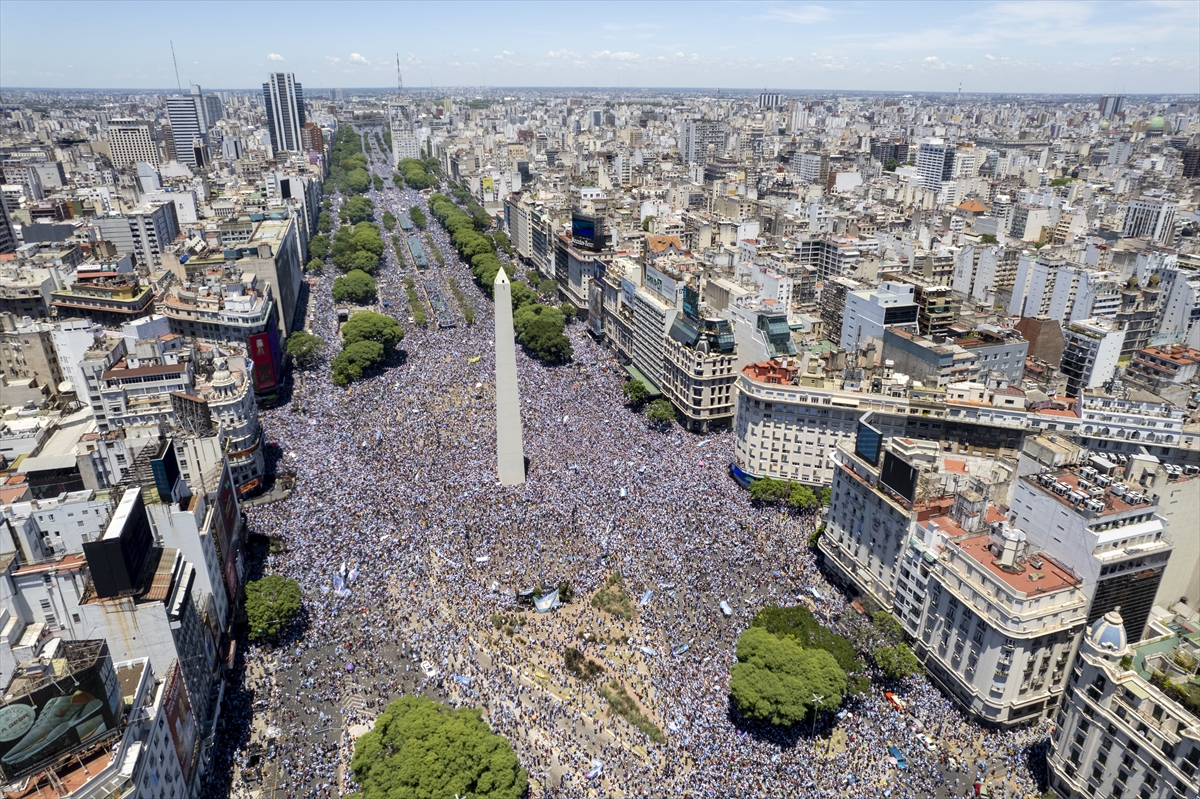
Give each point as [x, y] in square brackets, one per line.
[1157, 123]
[1108, 633]
[1105, 125]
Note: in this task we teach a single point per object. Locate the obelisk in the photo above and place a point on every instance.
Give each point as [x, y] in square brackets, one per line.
[510, 452]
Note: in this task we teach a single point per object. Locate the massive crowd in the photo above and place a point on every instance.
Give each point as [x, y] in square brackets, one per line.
[395, 486]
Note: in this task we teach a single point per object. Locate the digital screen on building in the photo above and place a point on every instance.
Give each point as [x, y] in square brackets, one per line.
[583, 227]
[899, 476]
[166, 469]
[691, 302]
[868, 442]
[71, 712]
[181, 722]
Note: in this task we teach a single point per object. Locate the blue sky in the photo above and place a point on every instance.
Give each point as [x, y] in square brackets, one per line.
[1085, 47]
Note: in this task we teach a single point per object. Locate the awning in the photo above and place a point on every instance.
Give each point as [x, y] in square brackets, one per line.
[636, 374]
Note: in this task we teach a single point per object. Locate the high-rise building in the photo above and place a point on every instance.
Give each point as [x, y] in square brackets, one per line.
[283, 99]
[131, 141]
[1091, 350]
[696, 135]
[311, 138]
[1111, 105]
[935, 163]
[213, 109]
[404, 134]
[768, 100]
[1152, 218]
[189, 127]
[8, 239]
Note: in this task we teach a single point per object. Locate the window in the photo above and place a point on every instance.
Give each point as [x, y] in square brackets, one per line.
[48, 612]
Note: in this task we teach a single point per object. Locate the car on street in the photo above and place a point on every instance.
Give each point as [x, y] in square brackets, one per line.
[901, 760]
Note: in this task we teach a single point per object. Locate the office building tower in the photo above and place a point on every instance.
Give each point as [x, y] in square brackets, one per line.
[868, 313]
[1091, 350]
[311, 138]
[1191, 158]
[1111, 105]
[696, 135]
[8, 238]
[168, 137]
[935, 163]
[404, 133]
[283, 100]
[189, 126]
[769, 100]
[131, 141]
[212, 109]
[1151, 217]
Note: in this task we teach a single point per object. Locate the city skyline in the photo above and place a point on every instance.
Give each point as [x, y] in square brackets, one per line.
[1051, 48]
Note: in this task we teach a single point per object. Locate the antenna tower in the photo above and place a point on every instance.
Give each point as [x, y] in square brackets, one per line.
[178, 85]
[399, 79]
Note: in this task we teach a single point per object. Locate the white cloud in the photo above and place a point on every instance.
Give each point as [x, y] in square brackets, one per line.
[563, 53]
[930, 59]
[803, 15]
[274, 57]
[355, 58]
[332, 59]
[607, 55]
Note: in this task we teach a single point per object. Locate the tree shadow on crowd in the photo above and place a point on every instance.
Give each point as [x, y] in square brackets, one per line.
[773, 735]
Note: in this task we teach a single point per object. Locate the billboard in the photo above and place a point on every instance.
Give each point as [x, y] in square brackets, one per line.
[868, 442]
[62, 712]
[588, 232]
[899, 476]
[181, 723]
[660, 284]
[691, 302]
[226, 516]
[264, 350]
[166, 469]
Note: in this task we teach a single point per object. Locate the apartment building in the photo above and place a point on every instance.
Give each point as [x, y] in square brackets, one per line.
[698, 372]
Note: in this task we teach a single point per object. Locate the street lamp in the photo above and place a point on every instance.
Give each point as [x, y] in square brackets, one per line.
[817, 700]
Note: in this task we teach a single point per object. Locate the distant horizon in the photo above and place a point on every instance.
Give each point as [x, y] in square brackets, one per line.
[988, 47]
[1192, 97]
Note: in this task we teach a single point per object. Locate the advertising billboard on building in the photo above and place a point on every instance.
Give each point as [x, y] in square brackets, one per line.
[226, 527]
[264, 351]
[899, 476]
[181, 723]
[691, 302]
[660, 284]
[588, 233]
[53, 714]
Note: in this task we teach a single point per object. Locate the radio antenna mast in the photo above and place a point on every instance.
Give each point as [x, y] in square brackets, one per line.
[178, 85]
[399, 79]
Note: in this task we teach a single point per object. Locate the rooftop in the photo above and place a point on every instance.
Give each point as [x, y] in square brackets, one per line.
[1038, 575]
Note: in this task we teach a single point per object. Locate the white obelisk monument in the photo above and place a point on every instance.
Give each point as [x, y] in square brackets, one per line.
[510, 452]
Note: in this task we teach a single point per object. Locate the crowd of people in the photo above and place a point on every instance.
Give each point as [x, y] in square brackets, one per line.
[396, 498]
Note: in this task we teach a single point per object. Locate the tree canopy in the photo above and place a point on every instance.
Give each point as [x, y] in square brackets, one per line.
[354, 359]
[539, 328]
[798, 623]
[896, 662]
[354, 286]
[635, 391]
[423, 750]
[418, 217]
[357, 209]
[416, 174]
[370, 326]
[271, 604]
[304, 348]
[771, 491]
[775, 679]
[660, 412]
[318, 246]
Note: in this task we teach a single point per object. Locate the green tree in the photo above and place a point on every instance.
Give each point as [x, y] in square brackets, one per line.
[770, 490]
[315, 265]
[377, 182]
[521, 294]
[548, 287]
[354, 286]
[539, 328]
[318, 246]
[648, 224]
[501, 239]
[422, 750]
[888, 626]
[798, 623]
[357, 209]
[801, 497]
[324, 222]
[418, 217]
[304, 348]
[569, 311]
[389, 220]
[660, 412]
[370, 326]
[987, 238]
[349, 364]
[891, 165]
[635, 391]
[775, 679]
[363, 261]
[826, 495]
[356, 180]
[271, 604]
[896, 662]
[481, 219]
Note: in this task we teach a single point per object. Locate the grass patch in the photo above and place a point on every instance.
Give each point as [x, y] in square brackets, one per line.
[414, 302]
[505, 624]
[581, 666]
[613, 598]
[468, 311]
[623, 705]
